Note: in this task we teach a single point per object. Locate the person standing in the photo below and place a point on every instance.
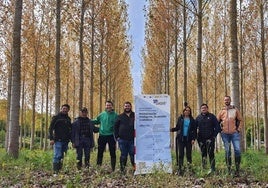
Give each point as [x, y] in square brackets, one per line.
[186, 135]
[231, 123]
[207, 129]
[60, 135]
[82, 137]
[124, 133]
[106, 119]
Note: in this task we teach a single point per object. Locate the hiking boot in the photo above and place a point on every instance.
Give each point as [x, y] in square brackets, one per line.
[180, 172]
[123, 162]
[204, 162]
[113, 162]
[237, 165]
[79, 165]
[56, 168]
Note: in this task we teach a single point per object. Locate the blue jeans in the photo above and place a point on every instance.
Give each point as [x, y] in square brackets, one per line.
[59, 149]
[235, 139]
[126, 148]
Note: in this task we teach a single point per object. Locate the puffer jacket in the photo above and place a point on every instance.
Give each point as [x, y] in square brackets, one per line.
[230, 119]
[207, 125]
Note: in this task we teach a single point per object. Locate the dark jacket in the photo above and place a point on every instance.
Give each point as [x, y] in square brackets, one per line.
[179, 128]
[60, 128]
[208, 126]
[124, 126]
[82, 127]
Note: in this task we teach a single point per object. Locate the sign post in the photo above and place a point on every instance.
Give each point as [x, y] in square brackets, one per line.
[152, 140]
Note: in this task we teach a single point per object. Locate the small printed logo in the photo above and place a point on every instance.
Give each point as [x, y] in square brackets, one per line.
[156, 102]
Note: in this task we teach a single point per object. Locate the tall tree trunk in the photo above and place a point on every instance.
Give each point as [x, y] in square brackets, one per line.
[13, 142]
[199, 56]
[217, 143]
[36, 48]
[257, 106]
[101, 67]
[48, 87]
[8, 105]
[264, 68]
[46, 117]
[42, 122]
[225, 52]
[22, 112]
[25, 128]
[234, 75]
[243, 139]
[81, 82]
[175, 116]
[34, 99]
[92, 59]
[57, 64]
[185, 97]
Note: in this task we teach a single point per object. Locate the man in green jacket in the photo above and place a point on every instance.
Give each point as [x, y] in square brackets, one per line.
[106, 119]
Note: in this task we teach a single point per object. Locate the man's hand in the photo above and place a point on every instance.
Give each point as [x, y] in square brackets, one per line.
[52, 142]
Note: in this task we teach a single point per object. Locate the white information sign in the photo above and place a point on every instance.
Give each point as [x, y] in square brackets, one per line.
[152, 141]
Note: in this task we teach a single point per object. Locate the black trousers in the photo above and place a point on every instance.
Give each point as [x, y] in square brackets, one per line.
[102, 141]
[84, 147]
[185, 145]
[207, 147]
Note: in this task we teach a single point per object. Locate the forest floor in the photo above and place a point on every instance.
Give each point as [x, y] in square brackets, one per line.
[34, 169]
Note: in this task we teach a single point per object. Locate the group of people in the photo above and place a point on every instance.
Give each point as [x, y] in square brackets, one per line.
[120, 128]
[113, 128]
[204, 128]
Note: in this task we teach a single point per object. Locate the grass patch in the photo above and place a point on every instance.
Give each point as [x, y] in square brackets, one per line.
[34, 168]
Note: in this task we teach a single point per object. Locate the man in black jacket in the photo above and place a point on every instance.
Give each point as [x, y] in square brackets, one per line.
[82, 137]
[60, 135]
[208, 128]
[124, 133]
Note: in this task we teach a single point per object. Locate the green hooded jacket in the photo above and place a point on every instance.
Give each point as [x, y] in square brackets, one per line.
[106, 121]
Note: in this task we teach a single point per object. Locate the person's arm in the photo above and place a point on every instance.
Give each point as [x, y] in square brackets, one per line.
[177, 128]
[219, 117]
[51, 130]
[116, 128]
[95, 129]
[239, 120]
[194, 132]
[73, 133]
[97, 120]
[217, 127]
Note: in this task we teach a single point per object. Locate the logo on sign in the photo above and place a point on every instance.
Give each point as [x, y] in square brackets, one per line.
[155, 101]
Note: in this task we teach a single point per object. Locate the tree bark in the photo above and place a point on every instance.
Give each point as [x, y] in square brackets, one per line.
[92, 59]
[234, 70]
[264, 68]
[81, 82]
[13, 142]
[185, 97]
[57, 64]
[199, 56]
